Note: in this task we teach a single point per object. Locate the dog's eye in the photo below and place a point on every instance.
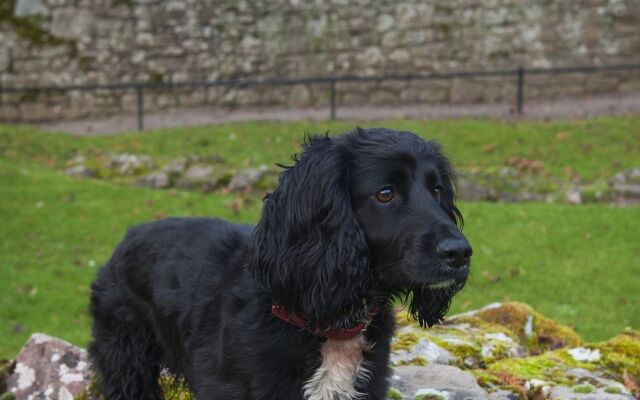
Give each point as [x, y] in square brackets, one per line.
[437, 192]
[386, 194]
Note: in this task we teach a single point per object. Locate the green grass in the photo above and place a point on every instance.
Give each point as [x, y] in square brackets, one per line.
[592, 148]
[579, 265]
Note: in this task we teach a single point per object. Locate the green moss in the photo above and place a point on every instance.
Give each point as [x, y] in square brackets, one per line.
[417, 361]
[430, 397]
[91, 392]
[29, 28]
[394, 394]
[172, 388]
[7, 396]
[485, 379]
[622, 353]
[586, 388]
[596, 192]
[613, 390]
[546, 333]
[460, 350]
[175, 389]
[405, 341]
[527, 368]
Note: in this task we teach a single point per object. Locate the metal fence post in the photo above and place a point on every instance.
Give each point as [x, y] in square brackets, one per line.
[520, 94]
[140, 93]
[332, 86]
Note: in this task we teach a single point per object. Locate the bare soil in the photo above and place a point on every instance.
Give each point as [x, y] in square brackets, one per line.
[552, 109]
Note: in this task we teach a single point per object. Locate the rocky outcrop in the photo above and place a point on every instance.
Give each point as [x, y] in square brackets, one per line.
[500, 352]
[516, 353]
[519, 180]
[626, 186]
[193, 172]
[49, 368]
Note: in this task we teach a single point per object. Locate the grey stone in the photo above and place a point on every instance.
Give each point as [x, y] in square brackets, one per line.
[182, 39]
[385, 22]
[155, 180]
[600, 386]
[176, 166]
[199, 176]
[80, 171]
[504, 395]
[246, 180]
[130, 164]
[626, 184]
[399, 56]
[48, 368]
[565, 392]
[449, 382]
[426, 349]
[71, 23]
[471, 191]
[30, 8]
[573, 196]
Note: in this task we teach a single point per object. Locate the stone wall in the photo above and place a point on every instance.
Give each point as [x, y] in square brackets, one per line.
[61, 42]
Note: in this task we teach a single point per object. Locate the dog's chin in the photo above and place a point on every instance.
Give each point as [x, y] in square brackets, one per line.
[429, 302]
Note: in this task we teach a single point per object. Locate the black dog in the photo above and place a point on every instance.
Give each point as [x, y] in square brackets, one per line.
[300, 306]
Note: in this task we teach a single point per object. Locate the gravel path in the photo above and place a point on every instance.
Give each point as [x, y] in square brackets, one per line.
[566, 108]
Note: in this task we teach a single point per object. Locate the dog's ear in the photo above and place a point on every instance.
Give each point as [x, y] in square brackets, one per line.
[449, 191]
[308, 248]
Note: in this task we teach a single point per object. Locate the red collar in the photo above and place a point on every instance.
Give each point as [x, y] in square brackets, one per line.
[329, 333]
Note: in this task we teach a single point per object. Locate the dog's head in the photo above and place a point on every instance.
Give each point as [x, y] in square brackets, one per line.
[359, 219]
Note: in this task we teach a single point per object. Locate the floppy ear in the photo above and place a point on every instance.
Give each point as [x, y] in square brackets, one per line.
[449, 192]
[308, 248]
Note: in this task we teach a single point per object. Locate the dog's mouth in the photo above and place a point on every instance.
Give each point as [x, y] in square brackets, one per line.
[443, 285]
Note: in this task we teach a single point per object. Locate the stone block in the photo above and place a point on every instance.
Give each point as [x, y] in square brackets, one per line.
[9, 113]
[30, 8]
[71, 23]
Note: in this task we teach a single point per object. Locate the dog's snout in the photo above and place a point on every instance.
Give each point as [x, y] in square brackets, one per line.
[456, 252]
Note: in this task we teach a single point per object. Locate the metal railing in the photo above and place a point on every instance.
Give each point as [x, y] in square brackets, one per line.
[519, 74]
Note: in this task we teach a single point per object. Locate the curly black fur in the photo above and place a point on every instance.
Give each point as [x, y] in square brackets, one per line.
[194, 295]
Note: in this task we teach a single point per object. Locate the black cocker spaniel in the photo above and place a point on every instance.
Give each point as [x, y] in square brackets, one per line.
[299, 306]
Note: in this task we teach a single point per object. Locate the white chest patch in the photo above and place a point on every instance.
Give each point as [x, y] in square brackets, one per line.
[342, 363]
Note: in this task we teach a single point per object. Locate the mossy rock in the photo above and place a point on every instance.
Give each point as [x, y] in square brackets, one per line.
[90, 393]
[560, 368]
[468, 343]
[550, 366]
[536, 332]
[394, 394]
[622, 353]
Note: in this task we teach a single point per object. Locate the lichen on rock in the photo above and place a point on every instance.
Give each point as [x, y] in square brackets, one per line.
[493, 353]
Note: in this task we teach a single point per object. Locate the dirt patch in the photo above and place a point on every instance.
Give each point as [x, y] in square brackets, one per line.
[565, 108]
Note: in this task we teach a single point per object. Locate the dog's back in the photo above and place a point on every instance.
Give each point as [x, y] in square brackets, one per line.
[141, 297]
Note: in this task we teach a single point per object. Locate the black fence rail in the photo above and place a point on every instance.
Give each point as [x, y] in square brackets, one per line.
[518, 74]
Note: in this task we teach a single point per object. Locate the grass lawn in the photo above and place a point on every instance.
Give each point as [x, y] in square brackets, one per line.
[578, 264]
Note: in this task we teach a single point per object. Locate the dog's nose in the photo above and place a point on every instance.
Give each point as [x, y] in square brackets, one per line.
[456, 252]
